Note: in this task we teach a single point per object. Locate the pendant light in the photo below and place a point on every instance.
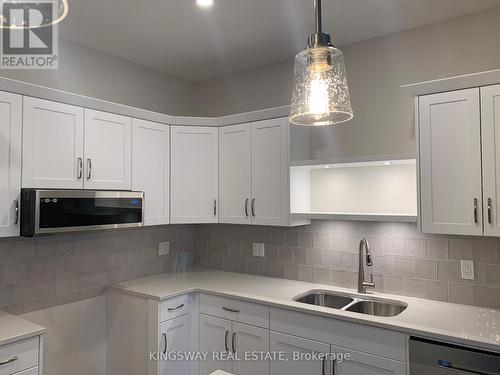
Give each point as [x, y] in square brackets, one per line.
[321, 94]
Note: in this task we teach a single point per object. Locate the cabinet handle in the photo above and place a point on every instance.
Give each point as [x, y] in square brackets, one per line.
[230, 310]
[176, 308]
[334, 364]
[16, 207]
[215, 207]
[489, 210]
[225, 340]
[80, 168]
[164, 340]
[323, 366]
[233, 342]
[475, 210]
[253, 207]
[89, 169]
[246, 207]
[10, 360]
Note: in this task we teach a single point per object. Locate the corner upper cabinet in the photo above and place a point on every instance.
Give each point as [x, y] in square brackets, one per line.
[151, 169]
[270, 159]
[52, 145]
[450, 162]
[194, 175]
[108, 155]
[10, 162]
[235, 174]
[254, 173]
[490, 125]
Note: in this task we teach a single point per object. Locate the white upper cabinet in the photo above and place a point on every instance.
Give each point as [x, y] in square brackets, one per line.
[235, 174]
[52, 145]
[151, 169]
[194, 174]
[450, 163]
[490, 125]
[10, 162]
[108, 155]
[270, 158]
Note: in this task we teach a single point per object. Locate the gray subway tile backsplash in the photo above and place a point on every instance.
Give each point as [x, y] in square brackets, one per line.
[36, 273]
[406, 262]
[43, 272]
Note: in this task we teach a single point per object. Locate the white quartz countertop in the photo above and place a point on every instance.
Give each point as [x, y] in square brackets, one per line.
[467, 325]
[13, 328]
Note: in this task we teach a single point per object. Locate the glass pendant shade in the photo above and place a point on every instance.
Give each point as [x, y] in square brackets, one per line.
[321, 94]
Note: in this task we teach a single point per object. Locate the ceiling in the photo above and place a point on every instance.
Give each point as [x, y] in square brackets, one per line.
[180, 39]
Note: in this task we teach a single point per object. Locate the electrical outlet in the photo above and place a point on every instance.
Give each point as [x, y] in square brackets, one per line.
[163, 248]
[467, 269]
[258, 250]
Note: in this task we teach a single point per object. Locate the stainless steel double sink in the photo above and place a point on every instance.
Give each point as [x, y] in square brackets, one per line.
[353, 302]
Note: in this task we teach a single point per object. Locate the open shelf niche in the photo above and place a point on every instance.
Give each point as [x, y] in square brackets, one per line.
[370, 189]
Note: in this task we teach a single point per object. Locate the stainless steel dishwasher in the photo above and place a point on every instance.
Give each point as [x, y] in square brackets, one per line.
[434, 358]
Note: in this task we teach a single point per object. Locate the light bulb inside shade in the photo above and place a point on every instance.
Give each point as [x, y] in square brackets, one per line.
[318, 98]
[205, 3]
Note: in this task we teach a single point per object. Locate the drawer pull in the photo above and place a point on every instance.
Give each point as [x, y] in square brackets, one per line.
[233, 342]
[10, 360]
[176, 308]
[225, 340]
[230, 310]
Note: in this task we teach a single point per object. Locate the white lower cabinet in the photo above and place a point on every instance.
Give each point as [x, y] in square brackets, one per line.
[366, 364]
[292, 345]
[233, 334]
[174, 338]
[232, 342]
[22, 357]
[214, 339]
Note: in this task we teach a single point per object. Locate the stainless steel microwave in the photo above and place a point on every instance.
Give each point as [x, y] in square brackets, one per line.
[60, 211]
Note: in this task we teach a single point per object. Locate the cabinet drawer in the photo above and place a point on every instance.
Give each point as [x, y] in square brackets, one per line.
[360, 337]
[232, 309]
[26, 352]
[174, 307]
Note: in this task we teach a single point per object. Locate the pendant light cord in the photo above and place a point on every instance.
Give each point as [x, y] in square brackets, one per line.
[317, 11]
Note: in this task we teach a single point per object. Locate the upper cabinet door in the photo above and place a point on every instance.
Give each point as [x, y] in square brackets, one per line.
[235, 174]
[450, 163]
[269, 172]
[151, 168]
[490, 124]
[108, 154]
[10, 162]
[52, 145]
[194, 175]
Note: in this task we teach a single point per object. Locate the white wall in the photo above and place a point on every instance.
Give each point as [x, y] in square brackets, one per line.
[75, 342]
[383, 114]
[88, 72]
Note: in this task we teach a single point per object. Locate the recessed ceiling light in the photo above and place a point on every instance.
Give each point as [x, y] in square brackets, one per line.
[205, 3]
[326, 166]
[387, 163]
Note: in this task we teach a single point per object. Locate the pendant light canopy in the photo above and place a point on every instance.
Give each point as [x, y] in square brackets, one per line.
[321, 94]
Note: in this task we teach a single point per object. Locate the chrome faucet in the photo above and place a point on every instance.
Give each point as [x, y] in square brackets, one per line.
[364, 247]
